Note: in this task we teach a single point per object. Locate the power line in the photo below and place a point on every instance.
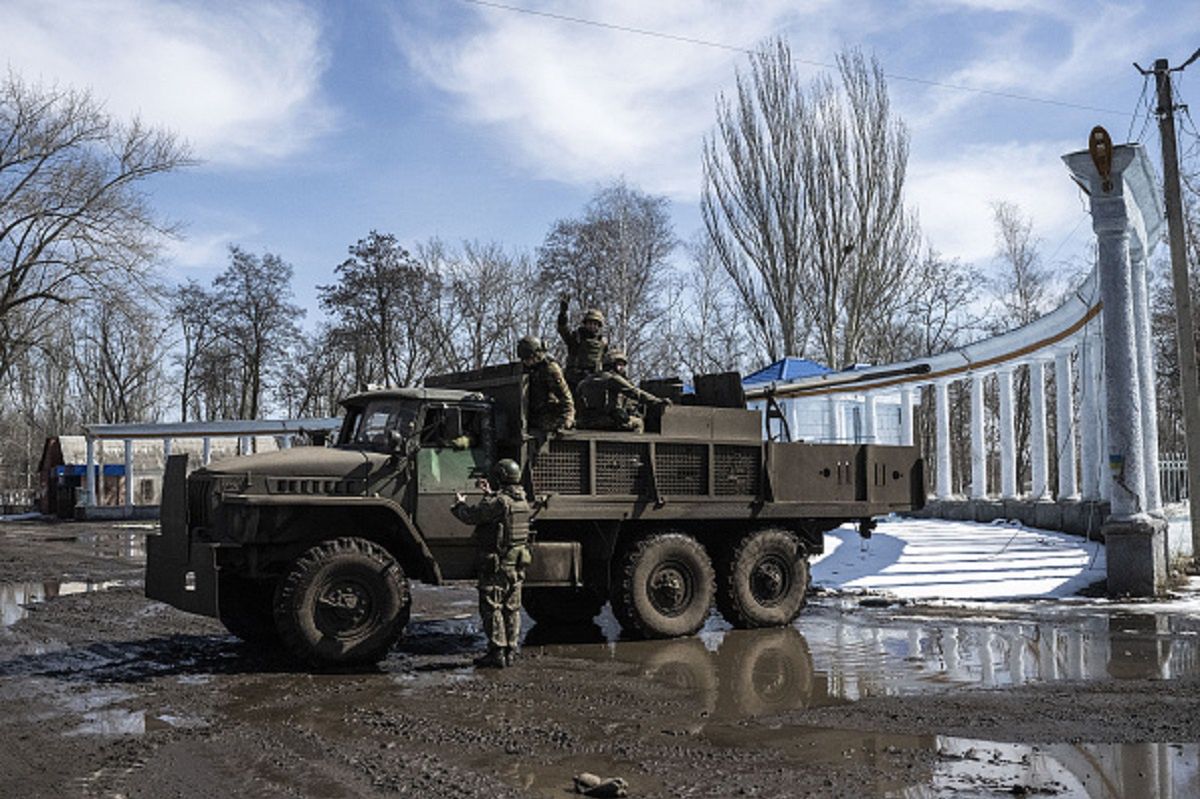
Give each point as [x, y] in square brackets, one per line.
[821, 64]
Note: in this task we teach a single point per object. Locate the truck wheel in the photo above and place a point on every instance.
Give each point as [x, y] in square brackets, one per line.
[246, 609]
[554, 606]
[665, 586]
[764, 580]
[344, 602]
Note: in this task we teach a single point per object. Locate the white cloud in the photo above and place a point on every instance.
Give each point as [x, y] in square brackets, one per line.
[581, 103]
[955, 196]
[239, 81]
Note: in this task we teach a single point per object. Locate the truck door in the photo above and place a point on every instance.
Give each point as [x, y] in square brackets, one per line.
[456, 449]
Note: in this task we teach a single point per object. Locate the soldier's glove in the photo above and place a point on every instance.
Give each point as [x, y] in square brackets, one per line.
[664, 402]
[592, 785]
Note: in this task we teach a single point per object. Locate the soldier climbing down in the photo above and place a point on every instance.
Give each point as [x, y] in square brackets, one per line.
[608, 401]
[586, 345]
[501, 522]
[551, 407]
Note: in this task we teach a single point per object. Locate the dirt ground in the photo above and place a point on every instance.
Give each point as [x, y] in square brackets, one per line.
[106, 694]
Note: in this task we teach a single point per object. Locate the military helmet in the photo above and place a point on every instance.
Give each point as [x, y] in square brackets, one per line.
[529, 347]
[613, 357]
[507, 472]
[593, 315]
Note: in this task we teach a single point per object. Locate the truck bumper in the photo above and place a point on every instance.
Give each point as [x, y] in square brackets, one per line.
[179, 570]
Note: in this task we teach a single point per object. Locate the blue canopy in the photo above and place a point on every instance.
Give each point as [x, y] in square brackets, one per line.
[785, 371]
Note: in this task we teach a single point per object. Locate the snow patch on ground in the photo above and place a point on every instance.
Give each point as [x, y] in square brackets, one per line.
[923, 559]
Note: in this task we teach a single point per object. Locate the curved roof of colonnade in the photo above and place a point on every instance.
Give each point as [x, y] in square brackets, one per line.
[1064, 322]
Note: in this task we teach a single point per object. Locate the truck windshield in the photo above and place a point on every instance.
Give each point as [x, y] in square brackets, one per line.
[380, 416]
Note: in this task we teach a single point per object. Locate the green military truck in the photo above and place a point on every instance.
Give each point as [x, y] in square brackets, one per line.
[313, 547]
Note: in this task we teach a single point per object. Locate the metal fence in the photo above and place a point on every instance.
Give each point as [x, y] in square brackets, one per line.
[1173, 476]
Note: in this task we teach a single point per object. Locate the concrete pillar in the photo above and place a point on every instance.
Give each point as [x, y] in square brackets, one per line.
[942, 436]
[1135, 541]
[128, 477]
[1068, 487]
[1008, 435]
[1089, 415]
[1145, 363]
[906, 416]
[90, 477]
[836, 431]
[1037, 431]
[206, 452]
[166, 449]
[869, 429]
[978, 440]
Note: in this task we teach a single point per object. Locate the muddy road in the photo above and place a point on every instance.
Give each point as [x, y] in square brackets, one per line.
[103, 693]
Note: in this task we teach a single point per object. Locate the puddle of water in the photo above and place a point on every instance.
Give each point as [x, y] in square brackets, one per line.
[15, 597]
[118, 545]
[120, 721]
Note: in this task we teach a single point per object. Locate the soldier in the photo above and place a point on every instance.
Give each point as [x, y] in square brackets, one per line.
[608, 401]
[501, 520]
[551, 407]
[586, 345]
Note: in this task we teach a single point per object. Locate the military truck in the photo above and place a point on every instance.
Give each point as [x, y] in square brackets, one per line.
[312, 548]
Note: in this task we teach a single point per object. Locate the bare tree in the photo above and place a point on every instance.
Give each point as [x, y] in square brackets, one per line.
[614, 259]
[193, 309]
[256, 321]
[803, 201]
[1023, 285]
[74, 220]
[118, 361]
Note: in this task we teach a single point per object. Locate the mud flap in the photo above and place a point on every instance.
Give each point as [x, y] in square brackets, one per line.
[180, 572]
[555, 563]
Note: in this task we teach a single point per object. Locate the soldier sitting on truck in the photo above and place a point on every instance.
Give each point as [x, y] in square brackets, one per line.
[608, 401]
[501, 522]
[586, 345]
[551, 407]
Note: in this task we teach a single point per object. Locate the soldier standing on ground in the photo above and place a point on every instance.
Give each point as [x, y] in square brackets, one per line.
[551, 407]
[586, 345]
[608, 401]
[501, 520]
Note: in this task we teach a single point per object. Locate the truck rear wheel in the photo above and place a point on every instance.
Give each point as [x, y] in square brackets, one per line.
[245, 607]
[555, 606]
[344, 602]
[665, 586]
[764, 581]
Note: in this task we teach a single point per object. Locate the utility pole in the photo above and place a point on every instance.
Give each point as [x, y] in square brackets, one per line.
[1184, 326]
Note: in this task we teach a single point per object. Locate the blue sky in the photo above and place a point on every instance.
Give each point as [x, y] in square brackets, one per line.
[318, 122]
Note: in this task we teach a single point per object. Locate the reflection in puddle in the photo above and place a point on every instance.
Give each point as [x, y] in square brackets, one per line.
[119, 545]
[14, 597]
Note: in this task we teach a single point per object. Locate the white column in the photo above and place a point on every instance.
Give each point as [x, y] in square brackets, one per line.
[206, 453]
[1145, 362]
[978, 440]
[128, 476]
[1068, 488]
[1105, 476]
[90, 477]
[1037, 430]
[1089, 415]
[906, 417]
[836, 429]
[166, 449]
[1008, 435]
[869, 436]
[942, 436]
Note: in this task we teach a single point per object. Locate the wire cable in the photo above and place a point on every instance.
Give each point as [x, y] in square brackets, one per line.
[809, 62]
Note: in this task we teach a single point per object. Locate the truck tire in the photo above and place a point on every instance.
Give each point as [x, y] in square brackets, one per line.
[665, 586]
[344, 602]
[558, 606]
[763, 580]
[246, 608]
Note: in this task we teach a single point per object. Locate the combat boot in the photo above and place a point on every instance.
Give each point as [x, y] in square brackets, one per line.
[510, 655]
[492, 659]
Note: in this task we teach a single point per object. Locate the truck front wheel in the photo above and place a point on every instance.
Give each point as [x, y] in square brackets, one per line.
[344, 602]
[665, 586]
[764, 580]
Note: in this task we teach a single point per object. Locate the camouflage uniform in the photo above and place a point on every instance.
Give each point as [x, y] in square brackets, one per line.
[585, 350]
[501, 534]
[550, 405]
[608, 401]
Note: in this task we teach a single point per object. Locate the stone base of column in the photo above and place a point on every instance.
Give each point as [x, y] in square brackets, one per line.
[1135, 550]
